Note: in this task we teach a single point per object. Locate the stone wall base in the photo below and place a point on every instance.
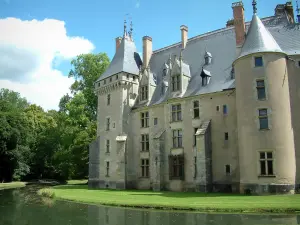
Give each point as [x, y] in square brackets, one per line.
[267, 189]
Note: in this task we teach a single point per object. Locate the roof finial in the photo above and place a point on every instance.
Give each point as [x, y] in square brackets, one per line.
[125, 30]
[131, 29]
[254, 3]
[298, 11]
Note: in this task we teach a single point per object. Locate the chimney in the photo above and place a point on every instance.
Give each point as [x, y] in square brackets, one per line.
[290, 11]
[184, 35]
[239, 24]
[118, 42]
[147, 50]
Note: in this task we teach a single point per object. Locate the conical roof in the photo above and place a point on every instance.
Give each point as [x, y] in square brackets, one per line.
[126, 60]
[258, 39]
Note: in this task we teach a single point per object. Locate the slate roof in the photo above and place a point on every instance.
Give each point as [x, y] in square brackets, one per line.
[258, 39]
[221, 45]
[126, 59]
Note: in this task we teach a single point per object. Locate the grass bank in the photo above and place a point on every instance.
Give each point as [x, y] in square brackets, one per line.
[12, 185]
[177, 201]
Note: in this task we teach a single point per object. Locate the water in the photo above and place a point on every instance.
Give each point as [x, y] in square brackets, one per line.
[24, 207]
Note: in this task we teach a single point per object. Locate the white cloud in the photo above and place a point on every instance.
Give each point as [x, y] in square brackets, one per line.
[28, 51]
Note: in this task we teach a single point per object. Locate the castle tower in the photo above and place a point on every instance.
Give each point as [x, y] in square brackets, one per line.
[265, 132]
[117, 91]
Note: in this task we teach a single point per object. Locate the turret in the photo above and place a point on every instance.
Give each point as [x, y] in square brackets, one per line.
[265, 132]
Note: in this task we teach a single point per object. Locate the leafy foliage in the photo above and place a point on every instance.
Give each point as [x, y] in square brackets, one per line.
[38, 144]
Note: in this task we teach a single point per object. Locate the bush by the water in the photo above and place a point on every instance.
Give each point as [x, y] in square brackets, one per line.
[46, 192]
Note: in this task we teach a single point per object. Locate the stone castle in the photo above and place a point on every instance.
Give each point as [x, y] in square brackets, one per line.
[218, 112]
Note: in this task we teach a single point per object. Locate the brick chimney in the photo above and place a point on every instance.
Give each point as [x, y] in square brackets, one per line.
[286, 10]
[239, 24]
[147, 50]
[118, 42]
[184, 35]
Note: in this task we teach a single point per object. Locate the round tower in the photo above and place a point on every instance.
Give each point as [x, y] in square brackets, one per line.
[265, 132]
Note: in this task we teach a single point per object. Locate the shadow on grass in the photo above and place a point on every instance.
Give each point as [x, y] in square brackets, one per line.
[152, 193]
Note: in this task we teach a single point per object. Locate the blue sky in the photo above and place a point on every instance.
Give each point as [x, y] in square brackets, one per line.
[102, 21]
[38, 38]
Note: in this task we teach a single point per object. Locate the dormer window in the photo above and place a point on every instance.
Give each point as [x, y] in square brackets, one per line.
[205, 75]
[208, 58]
[144, 93]
[175, 82]
[104, 82]
[110, 79]
[164, 72]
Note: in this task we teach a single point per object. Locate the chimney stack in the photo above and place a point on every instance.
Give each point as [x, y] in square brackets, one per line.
[239, 24]
[184, 35]
[147, 51]
[118, 42]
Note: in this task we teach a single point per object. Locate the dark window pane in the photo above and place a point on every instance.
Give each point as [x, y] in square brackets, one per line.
[262, 168]
[227, 168]
[196, 113]
[264, 123]
[196, 104]
[269, 155]
[260, 83]
[226, 136]
[270, 167]
[262, 155]
[224, 109]
[258, 61]
[178, 115]
[263, 112]
[261, 93]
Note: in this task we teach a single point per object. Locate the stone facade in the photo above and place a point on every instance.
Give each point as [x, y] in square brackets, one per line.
[194, 127]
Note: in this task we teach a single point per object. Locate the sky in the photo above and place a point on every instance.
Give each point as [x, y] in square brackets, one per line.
[39, 38]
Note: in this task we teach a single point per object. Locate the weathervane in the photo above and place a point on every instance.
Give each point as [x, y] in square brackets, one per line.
[298, 11]
[131, 29]
[254, 3]
[125, 31]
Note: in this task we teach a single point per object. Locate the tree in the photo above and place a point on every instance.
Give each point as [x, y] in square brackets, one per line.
[87, 68]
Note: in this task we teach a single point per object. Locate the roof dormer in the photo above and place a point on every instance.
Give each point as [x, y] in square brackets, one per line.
[208, 58]
[205, 75]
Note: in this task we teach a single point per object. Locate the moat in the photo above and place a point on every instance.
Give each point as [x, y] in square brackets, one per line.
[24, 207]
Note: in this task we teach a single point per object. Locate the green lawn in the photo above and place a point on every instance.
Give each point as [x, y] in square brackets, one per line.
[12, 185]
[179, 201]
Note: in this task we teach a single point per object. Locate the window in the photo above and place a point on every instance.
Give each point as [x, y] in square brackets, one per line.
[196, 109]
[145, 167]
[145, 119]
[175, 82]
[117, 77]
[104, 82]
[204, 80]
[127, 76]
[133, 78]
[261, 91]
[145, 142]
[107, 123]
[225, 110]
[108, 99]
[263, 119]
[176, 112]
[299, 64]
[226, 136]
[195, 167]
[99, 84]
[266, 163]
[107, 169]
[195, 137]
[258, 61]
[176, 164]
[177, 138]
[110, 79]
[155, 121]
[218, 108]
[144, 93]
[227, 169]
[107, 146]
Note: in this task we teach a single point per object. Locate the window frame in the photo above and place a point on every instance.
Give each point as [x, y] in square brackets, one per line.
[176, 112]
[261, 117]
[260, 87]
[177, 138]
[175, 82]
[144, 92]
[145, 168]
[226, 136]
[107, 123]
[145, 146]
[227, 168]
[107, 168]
[155, 121]
[265, 161]
[176, 167]
[196, 108]
[255, 61]
[144, 119]
[107, 146]
[195, 167]
[225, 112]
[108, 98]
[195, 137]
